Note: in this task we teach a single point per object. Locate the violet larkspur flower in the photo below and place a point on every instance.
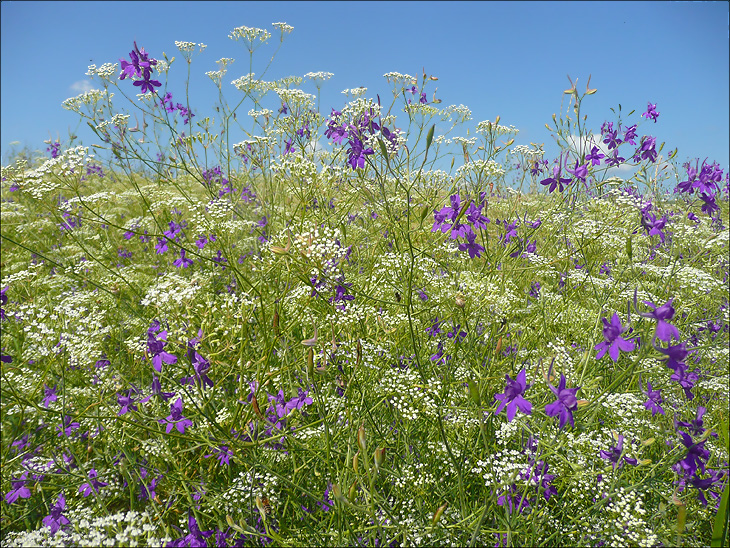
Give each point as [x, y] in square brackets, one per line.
[182, 262]
[175, 418]
[18, 489]
[614, 454]
[512, 396]
[696, 456]
[92, 485]
[127, 403]
[223, 454]
[565, 404]
[655, 399]
[50, 395]
[156, 348]
[651, 112]
[664, 330]
[56, 519]
[595, 156]
[614, 342]
[195, 536]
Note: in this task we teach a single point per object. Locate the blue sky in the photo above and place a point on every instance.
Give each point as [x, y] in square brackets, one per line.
[497, 58]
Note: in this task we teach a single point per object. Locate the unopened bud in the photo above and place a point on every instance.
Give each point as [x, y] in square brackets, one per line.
[354, 463]
[352, 491]
[379, 457]
[439, 512]
[496, 120]
[337, 492]
[361, 441]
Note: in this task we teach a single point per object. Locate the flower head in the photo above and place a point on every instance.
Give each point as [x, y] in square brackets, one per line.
[512, 396]
[614, 454]
[614, 342]
[565, 404]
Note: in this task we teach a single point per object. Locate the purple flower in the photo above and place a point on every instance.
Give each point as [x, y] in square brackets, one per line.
[629, 135]
[655, 400]
[595, 156]
[50, 395]
[556, 181]
[299, 401]
[565, 404]
[155, 348]
[614, 342]
[222, 454]
[474, 249]
[696, 456]
[92, 485]
[512, 396]
[127, 403]
[651, 112]
[610, 136]
[579, 172]
[182, 262]
[195, 537]
[435, 329]
[422, 295]
[614, 454]
[289, 148]
[56, 518]
[664, 330]
[675, 355]
[175, 418]
[696, 426]
[18, 489]
[647, 151]
[67, 427]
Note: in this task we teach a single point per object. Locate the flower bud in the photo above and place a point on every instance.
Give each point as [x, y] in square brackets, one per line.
[354, 463]
[379, 457]
[439, 512]
[460, 300]
[337, 492]
[352, 491]
[361, 441]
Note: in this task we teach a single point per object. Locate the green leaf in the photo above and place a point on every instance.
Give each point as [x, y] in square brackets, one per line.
[429, 137]
[720, 529]
[382, 148]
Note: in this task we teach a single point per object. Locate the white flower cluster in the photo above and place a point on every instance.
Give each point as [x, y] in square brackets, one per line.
[482, 169]
[628, 523]
[469, 142]
[105, 71]
[487, 127]
[249, 84]
[89, 98]
[283, 27]
[249, 34]
[296, 98]
[407, 395]
[398, 78]
[529, 154]
[168, 290]
[122, 529]
[459, 114]
[263, 112]
[216, 76]
[354, 93]
[319, 76]
[188, 47]
[260, 146]
[242, 493]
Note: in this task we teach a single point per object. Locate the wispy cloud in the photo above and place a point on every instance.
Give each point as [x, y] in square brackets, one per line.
[81, 86]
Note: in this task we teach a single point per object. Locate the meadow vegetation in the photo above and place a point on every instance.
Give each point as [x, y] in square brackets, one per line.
[278, 326]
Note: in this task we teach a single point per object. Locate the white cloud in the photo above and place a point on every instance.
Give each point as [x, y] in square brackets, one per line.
[82, 86]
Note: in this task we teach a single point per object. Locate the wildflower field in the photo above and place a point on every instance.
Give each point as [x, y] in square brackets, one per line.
[288, 327]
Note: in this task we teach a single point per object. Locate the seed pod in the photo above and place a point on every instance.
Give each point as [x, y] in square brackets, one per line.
[310, 362]
[355, 463]
[352, 491]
